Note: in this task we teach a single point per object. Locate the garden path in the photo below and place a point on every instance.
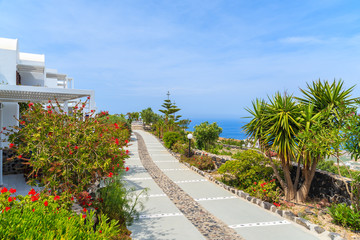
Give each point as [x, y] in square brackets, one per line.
[181, 204]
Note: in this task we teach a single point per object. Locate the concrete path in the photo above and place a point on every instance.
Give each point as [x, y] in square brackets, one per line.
[161, 219]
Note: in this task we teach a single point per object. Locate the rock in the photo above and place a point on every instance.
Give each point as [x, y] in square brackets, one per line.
[249, 198]
[289, 215]
[334, 236]
[302, 222]
[267, 205]
[319, 230]
[280, 212]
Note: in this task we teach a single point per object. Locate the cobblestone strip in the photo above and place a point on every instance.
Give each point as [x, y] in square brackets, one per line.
[208, 225]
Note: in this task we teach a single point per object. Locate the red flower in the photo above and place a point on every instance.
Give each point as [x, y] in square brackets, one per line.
[76, 147]
[116, 126]
[126, 141]
[10, 199]
[76, 107]
[254, 183]
[110, 174]
[72, 198]
[100, 231]
[118, 165]
[56, 198]
[33, 210]
[277, 204]
[50, 112]
[117, 141]
[32, 192]
[92, 110]
[49, 101]
[22, 122]
[127, 151]
[88, 97]
[34, 198]
[7, 208]
[46, 203]
[127, 169]
[31, 104]
[49, 106]
[83, 216]
[20, 156]
[70, 152]
[4, 190]
[12, 190]
[11, 145]
[84, 209]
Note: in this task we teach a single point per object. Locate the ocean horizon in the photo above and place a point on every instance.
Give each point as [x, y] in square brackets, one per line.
[232, 128]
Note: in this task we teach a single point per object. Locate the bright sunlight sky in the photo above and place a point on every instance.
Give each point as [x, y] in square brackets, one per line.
[213, 56]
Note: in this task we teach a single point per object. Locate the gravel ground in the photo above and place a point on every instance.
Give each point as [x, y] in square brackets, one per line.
[205, 222]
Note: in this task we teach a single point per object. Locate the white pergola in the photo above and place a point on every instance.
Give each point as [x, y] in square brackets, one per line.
[16, 93]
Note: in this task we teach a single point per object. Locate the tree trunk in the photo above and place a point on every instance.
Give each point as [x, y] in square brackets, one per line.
[309, 174]
[289, 189]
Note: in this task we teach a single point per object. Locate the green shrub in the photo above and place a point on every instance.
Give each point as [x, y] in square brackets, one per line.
[42, 216]
[181, 148]
[251, 167]
[233, 142]
[201, 162]
[117, 202]
[206, 134]
[345, 216]
[170, 138]
[330, 166]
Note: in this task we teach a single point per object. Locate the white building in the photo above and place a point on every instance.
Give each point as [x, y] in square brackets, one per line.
[24, 77]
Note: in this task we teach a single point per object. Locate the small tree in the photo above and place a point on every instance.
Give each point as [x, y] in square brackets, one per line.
[206, 134]
[148, 116]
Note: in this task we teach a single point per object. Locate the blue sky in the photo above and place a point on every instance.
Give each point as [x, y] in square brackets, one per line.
[214, 57]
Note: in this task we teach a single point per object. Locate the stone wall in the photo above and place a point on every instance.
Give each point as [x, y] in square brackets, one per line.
[13, 166]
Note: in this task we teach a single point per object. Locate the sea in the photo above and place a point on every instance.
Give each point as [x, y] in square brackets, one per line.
[231, 128]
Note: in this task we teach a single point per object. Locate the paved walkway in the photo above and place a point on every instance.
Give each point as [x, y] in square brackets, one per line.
[164, 216]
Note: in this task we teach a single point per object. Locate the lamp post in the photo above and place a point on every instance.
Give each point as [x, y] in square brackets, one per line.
[189, 136]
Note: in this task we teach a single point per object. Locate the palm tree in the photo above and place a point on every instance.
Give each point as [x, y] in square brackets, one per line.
[293, 129]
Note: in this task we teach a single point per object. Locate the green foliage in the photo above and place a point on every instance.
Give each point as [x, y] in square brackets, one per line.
[169, 110]
[233, 142]
[345, 216]
[42, 216]
[206, 134]
[112, 119]
[330, 166]
[267, 191]
[117, 202]
[181, 148]
[201, 162]
[68, 153]
[148, 116]
[249, 168]
[170, 138]
[306, 130]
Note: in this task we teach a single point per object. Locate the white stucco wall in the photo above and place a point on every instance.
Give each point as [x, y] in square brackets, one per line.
[8, 66]
[10, 111]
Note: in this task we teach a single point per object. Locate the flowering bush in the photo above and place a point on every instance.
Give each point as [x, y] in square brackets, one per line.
[267, 191]
[251, 167]
[68, 152]
[44, 216]
[203, 162]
